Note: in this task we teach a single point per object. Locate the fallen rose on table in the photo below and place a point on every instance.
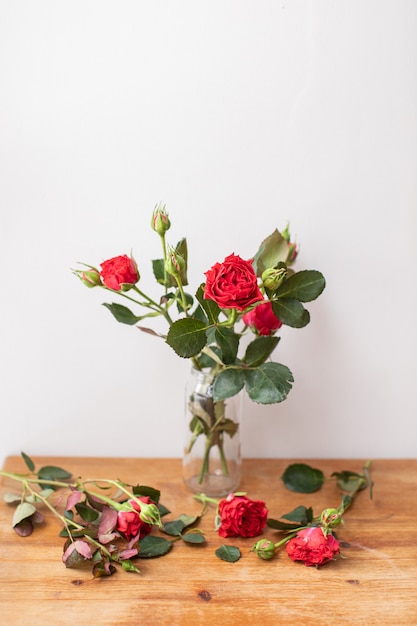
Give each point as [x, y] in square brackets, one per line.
[109, 523]
[308, 539]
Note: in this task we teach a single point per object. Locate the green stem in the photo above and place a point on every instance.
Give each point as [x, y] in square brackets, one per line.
[183, 298]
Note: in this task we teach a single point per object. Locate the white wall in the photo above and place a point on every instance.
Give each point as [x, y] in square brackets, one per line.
[239, 115]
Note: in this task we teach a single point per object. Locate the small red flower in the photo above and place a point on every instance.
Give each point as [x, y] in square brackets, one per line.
[118, 271]
[262, 319]
[312, 546]
[130, 524]
[232, 284]
[241, 517]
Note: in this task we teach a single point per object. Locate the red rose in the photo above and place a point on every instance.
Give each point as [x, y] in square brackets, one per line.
[118, 271]
[312, 546]
[241, 517]
[232, 284]
[130, 524]
[262, 318]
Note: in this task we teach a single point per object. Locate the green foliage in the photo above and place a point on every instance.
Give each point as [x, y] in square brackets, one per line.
[187, 337]
[122, 314]
[273, 250]
[259, 350]
[304, 286]
[228, 553]
[302, 478]
[152, 546]
[269, 383]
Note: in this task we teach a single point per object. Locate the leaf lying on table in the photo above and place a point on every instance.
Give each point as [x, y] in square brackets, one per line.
[302, 478]
[228, 553]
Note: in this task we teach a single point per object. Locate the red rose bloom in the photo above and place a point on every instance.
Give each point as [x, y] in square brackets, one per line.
[312, 546]
[241, 517]
[118, 271]
[262, 318]
[130, 524]
[232, 284]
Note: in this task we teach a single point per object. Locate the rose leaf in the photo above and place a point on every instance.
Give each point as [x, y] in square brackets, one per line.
[228, 553]
[122, 314]
[302, 478]
[187, 336]
[150, 547]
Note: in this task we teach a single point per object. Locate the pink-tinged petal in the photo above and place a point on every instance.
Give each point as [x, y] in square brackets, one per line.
[74, 498]
[104, 539]
[108, 521]
[83, 548]
[128, 554]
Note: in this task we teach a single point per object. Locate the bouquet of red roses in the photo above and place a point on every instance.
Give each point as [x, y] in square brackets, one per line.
[238, 297]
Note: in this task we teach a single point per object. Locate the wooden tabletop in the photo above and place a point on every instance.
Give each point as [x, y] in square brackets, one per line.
[376, 582]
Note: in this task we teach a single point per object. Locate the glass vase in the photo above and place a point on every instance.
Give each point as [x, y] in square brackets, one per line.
[212, 454]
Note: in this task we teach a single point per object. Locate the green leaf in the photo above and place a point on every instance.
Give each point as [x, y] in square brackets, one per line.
[23, 511]
[29, 463]
[300, 514]
[350, 481]
[174, 528]
[194, 536]
[181, 249]
[291, 312]
[259, 350]
[273, 250]
[128, 566]
[122, 313]
[159, 271]
[228, 553]
[51, 472]
[278, 525]
[304, 286]
[143, 490]
[11, 498]
[151, 546]
[210, 307]
[228, 342]
[302, 478]
[227, 384]
[269, 383]
[187, 336]
[86, 513]
[188, 519]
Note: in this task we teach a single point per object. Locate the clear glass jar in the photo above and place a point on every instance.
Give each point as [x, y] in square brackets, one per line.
[212, 453]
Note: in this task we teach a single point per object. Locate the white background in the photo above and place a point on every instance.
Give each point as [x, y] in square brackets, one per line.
[239, 115]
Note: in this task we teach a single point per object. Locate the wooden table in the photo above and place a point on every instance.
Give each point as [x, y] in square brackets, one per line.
[375, 584]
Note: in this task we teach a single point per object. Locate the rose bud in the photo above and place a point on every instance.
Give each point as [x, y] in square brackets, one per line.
[272, 278]
[174, 263]
[160, 221]
[264, 548]
[90, 278]
[330, 518]
[262, 319]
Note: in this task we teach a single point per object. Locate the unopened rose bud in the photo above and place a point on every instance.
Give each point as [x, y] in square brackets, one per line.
[272, 278]
[330, 518]
[264, 548]
[174, 263]
[160, 221]
[90, 278]
[149, 513]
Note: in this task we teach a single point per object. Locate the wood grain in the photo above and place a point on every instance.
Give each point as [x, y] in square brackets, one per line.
[376, 582]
